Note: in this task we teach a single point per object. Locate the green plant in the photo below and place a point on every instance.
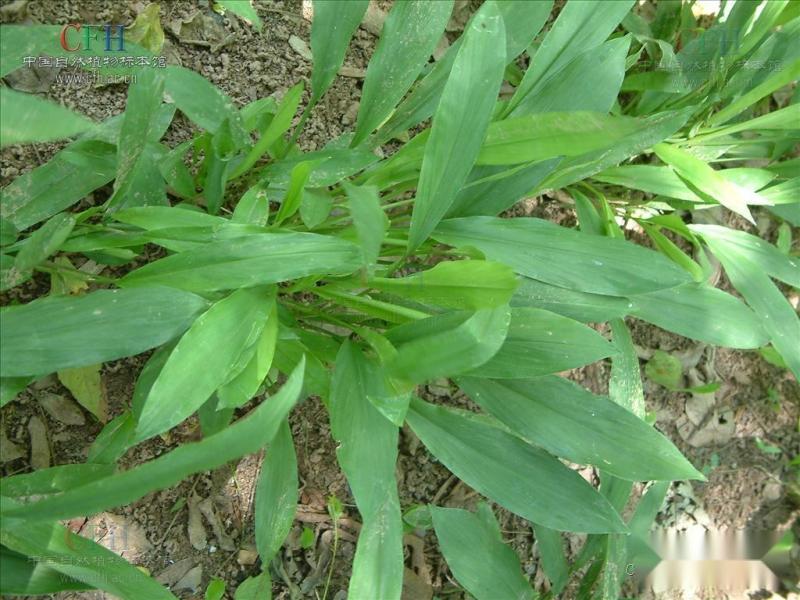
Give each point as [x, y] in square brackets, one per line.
[357, 278]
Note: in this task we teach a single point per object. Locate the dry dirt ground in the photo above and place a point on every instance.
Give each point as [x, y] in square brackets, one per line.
[747, 435]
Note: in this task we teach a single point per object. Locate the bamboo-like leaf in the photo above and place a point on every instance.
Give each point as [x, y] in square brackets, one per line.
[368, 218]
[369, 463]
[333, 25]
[409, 35]
[245, 436]
[251, 260]
[542, 136]
[244, 386]
[219, 343]
[540, 342]
[707, 180]
[276, 494]
[491, 190]
[475, 552]
[86, 386]
[141, 115]
[294, 194]
[522, 21]
[625, 384]
[77, 559]
[44, 242]
[654, 129]
[60, 332]
[579, 27]
[541, 250]
[522, 478]
[202, 102]
[21, 575]
[587, 308]
[591, 81]
[463, 284]
[53, 479]
[778, 317]
[279, 124]
[766, 256]
[459, 125]
[702, 313]
[551, 550]
[454, 350]
[28, 118]
[571, 422]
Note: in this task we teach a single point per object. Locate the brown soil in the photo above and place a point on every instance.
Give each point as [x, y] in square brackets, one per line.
[746, 486]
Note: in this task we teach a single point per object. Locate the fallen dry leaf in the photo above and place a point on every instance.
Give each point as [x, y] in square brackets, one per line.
[61, 409]
[87, 387]
[40, 448]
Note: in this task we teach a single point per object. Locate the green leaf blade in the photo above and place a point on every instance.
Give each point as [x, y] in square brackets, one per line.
[520, 477]
[562, 257]
[204, 358]
[573, 423]
[408, 38]
[459, 125]
[56, 333]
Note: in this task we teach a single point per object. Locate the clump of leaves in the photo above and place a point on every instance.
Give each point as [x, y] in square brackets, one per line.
[357, 278]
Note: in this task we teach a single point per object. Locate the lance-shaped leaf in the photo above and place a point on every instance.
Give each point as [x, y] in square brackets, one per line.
[76, 559]
[219, 343]
[44, 242]
[654, 129]
[460, 122]
[475, 552]
[368, 218]
[522, 21]
[28, 118]
[279, 124]
[409, 35]
[141, 112]
[571, 422]
[81, 167]
[245, 436]
[540, 342]
[542, 136]
[766, 256]
[276, 494]
[334, 23]
[202, 102]
[579, 27]
[244, 386]
[53, 479]
[707, 180]
[541, 250]
[463, 284]
[369, 462]
[581, 306]
[456, 347]
[491, 190]
[625, 385]
[591, 81]
[778, 317]
[522, 478]
[250, 260]
[21, 575]
[553, 556]
[702, 313]
[60, 332]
